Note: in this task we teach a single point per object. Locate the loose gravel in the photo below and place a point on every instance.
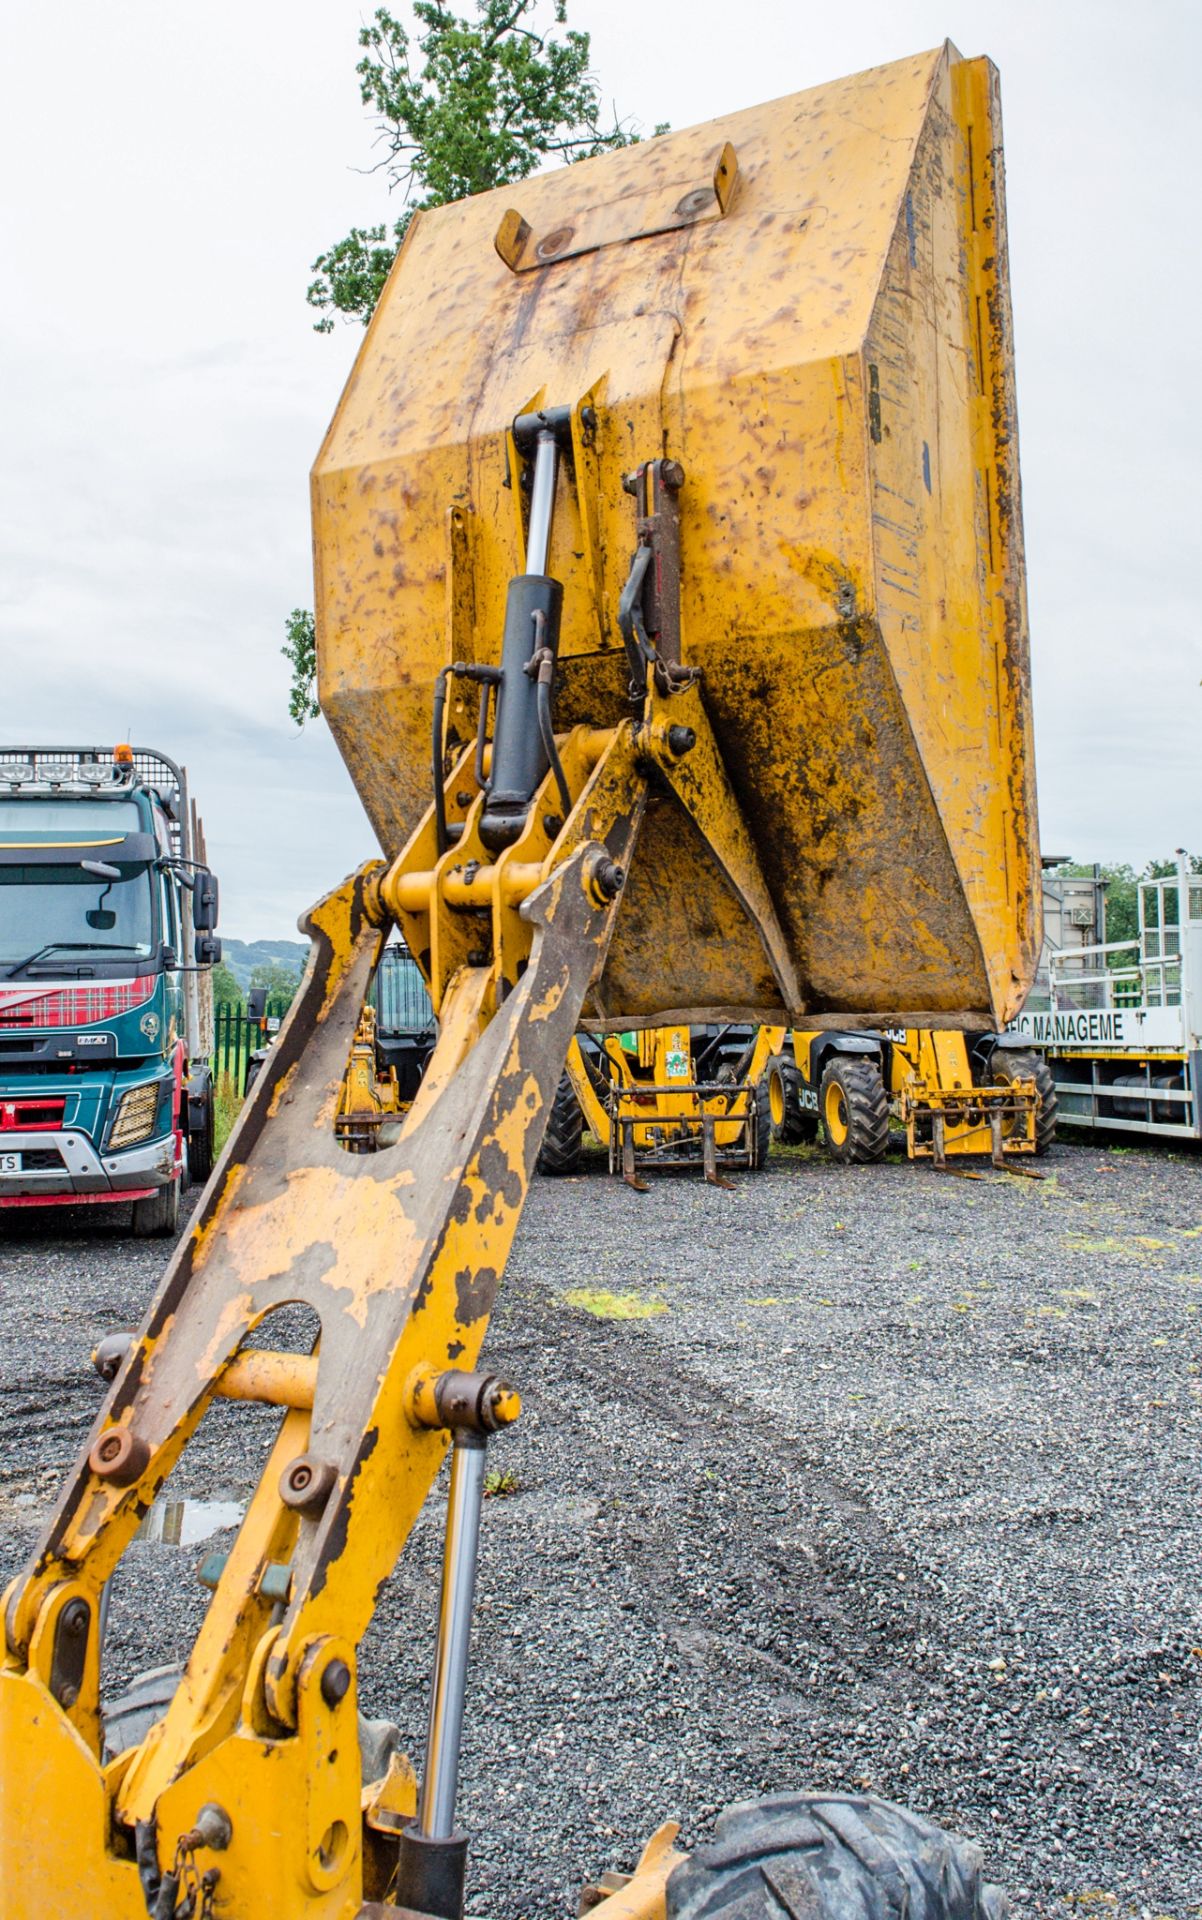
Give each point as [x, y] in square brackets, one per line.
[889, 1480]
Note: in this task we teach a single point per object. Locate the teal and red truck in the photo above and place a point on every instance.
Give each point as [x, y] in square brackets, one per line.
[108, 911]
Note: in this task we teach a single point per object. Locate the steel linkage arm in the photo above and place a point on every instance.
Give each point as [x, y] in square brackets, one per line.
[399, 1254]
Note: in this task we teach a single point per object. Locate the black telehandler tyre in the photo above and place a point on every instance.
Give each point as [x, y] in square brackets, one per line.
[792, 1126]
[855, 1112]
[560, 1151]
[812, 1856]
[1008, 1066]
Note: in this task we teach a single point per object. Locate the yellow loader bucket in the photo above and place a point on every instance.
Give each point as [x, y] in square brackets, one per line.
[804, 305]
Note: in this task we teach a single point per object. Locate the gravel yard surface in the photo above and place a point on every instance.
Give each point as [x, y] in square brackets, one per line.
[877, 1478]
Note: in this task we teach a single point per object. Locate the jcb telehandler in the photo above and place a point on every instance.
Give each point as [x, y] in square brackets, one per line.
[663, 1098]
[775, 768]
[954, 1093]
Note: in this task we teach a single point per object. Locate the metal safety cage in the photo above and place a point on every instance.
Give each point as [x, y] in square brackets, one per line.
[79, 770]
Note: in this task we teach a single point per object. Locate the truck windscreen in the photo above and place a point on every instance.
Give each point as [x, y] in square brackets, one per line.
[48, 909]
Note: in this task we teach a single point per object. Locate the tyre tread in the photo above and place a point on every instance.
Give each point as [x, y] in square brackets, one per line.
[867, 1109]
[831, 1857]
[563, 1140]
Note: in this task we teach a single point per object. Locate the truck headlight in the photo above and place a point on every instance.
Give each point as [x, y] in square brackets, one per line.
[135, 1116]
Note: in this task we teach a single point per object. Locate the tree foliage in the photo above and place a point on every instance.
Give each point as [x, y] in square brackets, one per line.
[278, 979]
[300, 650]
[463, 105]
[478, 104]
[226, 991]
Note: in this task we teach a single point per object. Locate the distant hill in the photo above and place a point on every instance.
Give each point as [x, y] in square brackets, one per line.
[243, 956]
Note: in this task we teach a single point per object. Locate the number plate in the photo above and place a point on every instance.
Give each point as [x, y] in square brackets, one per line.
[10, 1163]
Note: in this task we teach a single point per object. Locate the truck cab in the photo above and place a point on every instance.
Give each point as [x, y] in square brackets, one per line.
[107, 918]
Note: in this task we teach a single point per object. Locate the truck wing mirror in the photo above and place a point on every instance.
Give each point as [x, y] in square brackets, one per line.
[204, 900]
[256, 1003]
[208, 950]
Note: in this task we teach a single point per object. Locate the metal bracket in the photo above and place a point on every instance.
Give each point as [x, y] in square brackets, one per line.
[661, 209]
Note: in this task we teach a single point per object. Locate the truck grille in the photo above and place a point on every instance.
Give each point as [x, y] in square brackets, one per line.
[41, 1160]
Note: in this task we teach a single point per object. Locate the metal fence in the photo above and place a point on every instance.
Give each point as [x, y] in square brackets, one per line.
[235, 1037]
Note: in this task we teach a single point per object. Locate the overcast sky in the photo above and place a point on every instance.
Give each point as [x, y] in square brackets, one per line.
[171, 172]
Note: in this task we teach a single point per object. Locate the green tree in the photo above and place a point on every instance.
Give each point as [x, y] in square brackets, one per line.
[226, 991]
[462, 106]
[279, 980]
[300, 650]
[491, 101]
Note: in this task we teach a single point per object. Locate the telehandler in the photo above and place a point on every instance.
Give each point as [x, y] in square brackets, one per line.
[954, 1093]
[663, 1098]
[775, 768]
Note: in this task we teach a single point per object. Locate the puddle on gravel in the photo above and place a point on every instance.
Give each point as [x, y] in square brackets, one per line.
[181, 1523]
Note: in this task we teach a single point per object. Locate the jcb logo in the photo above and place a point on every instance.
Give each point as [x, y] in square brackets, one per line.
[807, 1098]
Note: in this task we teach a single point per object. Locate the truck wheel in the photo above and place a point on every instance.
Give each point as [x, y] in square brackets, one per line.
[560, 1151]
[792, 1126]
[812, 1856]
[1008, 1067]
[200, 1147]
[158, 1214]
[764, 1135]
[855, 1112]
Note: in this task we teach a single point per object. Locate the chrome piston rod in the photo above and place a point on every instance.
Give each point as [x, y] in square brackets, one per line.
[542, 502]
[440, 1780]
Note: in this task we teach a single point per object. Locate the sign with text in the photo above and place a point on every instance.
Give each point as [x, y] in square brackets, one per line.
[1119, 1029]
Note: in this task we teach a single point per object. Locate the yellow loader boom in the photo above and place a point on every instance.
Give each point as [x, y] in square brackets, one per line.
[775, 765]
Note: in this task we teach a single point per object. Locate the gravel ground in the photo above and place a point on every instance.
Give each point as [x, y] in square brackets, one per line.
[895, 1485]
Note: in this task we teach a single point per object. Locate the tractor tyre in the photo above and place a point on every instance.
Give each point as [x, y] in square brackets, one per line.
[761, 1104]
[201, 1147]
[855, 1111]
[1009, 1067]
[560, 1151]
[813, 1856]
[158, 1214]
[792, 1126]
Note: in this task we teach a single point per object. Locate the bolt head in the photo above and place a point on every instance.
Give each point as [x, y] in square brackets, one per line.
[335, 1682]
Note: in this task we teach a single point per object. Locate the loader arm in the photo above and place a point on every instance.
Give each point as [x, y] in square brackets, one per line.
[398, 1253]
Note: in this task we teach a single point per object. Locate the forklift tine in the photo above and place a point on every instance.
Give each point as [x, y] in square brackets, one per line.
[628, 1168]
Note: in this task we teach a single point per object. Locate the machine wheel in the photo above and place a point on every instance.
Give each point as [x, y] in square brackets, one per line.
[855, 1112]
[814, 1856]
[158, 1214]
[1009, 1067]
[762, 1102]
[560, 1151]
[792, 1126]
[201, 1147]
